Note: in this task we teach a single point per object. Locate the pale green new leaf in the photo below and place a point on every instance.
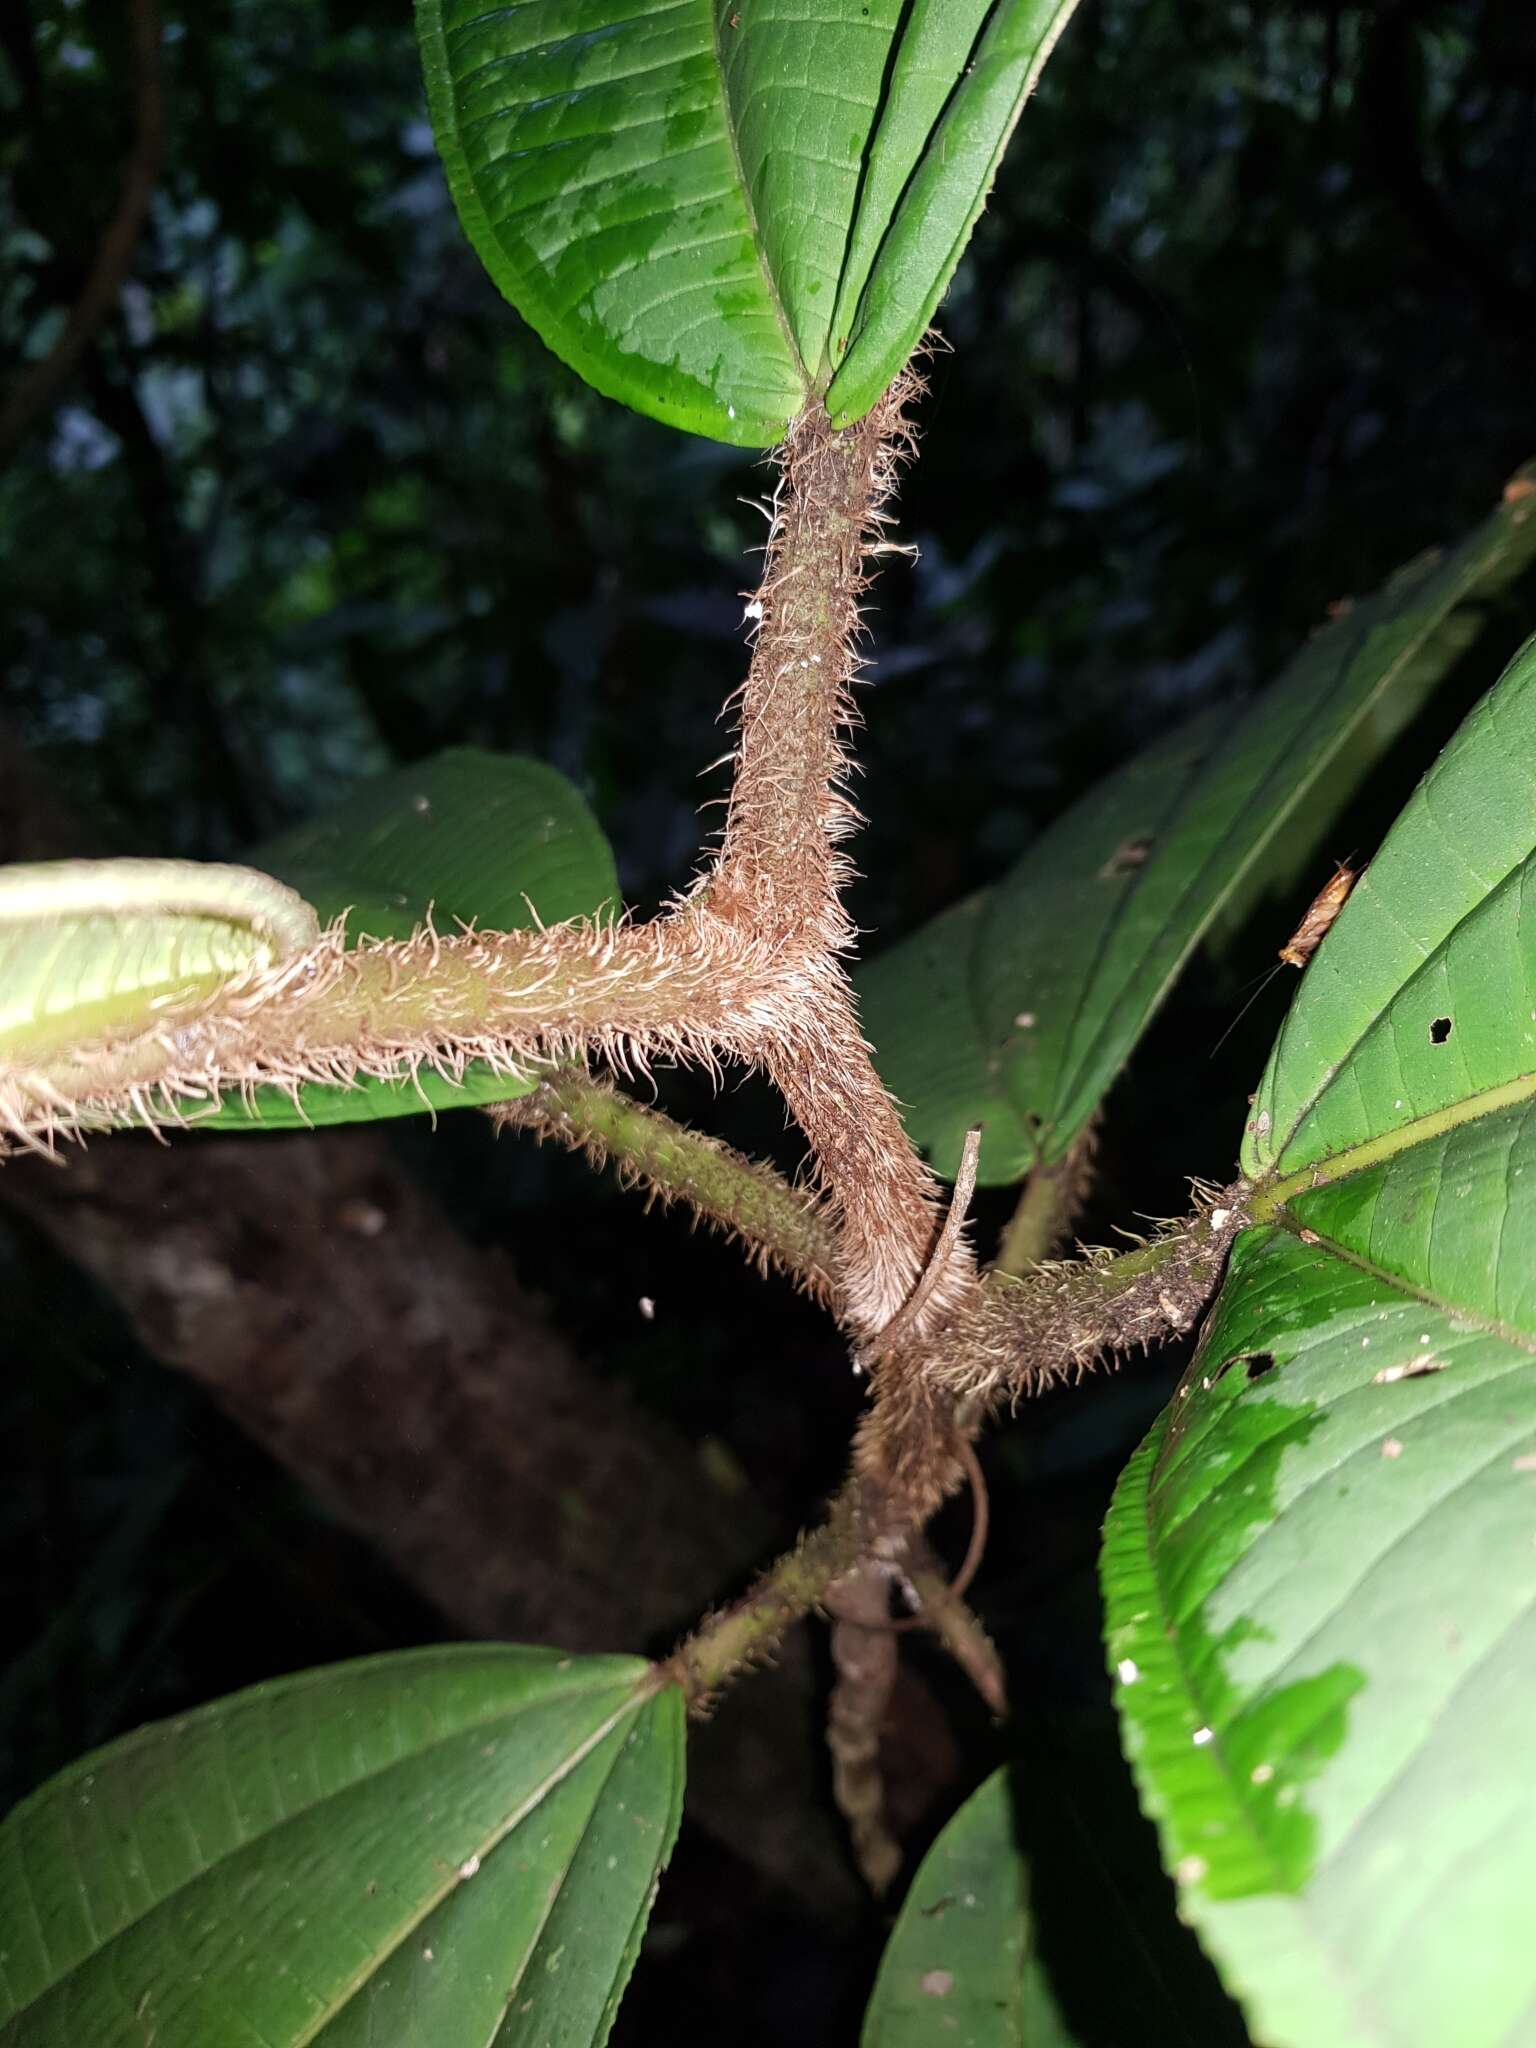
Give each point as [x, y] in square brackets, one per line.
[90, 949]
[1320, 1570]
[704, 206]
[1034, 999]
[961, 1964]
[448, 1848]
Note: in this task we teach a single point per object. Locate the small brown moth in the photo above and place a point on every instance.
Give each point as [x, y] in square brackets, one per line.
[1321, 911]
[1305, 940]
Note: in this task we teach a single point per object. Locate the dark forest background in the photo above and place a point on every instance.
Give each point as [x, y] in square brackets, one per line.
[1248, 323]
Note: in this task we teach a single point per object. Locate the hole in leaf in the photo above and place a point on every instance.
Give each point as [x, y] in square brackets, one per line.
[1257, 1363]
[1440, 1031]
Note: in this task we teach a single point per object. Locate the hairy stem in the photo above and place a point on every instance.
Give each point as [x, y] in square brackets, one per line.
[782, 1228]
[781, 866]
[1023, 1335]
[518, 1000]
[1047, 1207]
[727, 1643]
[864, 1657]
[942, 1609]
[1012, 1338]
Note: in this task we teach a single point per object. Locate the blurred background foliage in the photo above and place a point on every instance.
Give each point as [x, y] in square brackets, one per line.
[1247, 324]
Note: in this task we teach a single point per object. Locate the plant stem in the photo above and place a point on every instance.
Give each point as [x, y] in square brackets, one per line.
[1025, 1334]
[728, 1642]
[1032, 1228]
[781, 1227]
[864, 1657]
[1012, 1338]
[781, 868]
[957, 1627]
[1047, 1207]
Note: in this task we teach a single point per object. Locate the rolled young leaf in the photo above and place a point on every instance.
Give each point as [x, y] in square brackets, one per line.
[97, 951]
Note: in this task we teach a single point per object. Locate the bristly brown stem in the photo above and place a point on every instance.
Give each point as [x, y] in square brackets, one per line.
[1014, 1337]
[941, 1608]
[864, 1658]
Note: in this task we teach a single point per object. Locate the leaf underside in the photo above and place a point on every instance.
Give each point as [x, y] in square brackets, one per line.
[1019, 1008]
[1320, 1570]
[715, 211]
[450, 1845]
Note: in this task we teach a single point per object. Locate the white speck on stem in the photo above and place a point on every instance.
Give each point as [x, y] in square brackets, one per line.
[1261, 1773]
[1391, 1448]
[469, 1866]
[1202, 1736]
[1128, 1670]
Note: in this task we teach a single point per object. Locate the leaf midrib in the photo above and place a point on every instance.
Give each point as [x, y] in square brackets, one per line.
[1270, 1199]
[718, 16]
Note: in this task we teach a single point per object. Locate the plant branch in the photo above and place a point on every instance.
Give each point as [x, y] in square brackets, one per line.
[517, 1000]
[864, 1658]
[941, 1608]
[745, 967]
[781, 867]
[750, 1630]
[36, 389]
[1012, 1339]
[1024, 1335]
[782, 1228]
[1048, 1206]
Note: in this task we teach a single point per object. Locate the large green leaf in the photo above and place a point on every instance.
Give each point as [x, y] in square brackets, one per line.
[450, 1846]
[706, 206]
[495, 840]
[1320, 1570]
[1020, 1010]
[961, 1963]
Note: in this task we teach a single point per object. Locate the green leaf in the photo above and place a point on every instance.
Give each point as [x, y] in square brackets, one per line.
[495, 840]
[953, 103]
[1421, 1001]
[95, 948]
[916, 1005]
[1320, 1569]
[703, 206]
[961, 1963]
[447, 1846]
[1035, 998]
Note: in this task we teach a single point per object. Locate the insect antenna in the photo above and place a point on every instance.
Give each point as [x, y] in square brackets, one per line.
[1263, 983]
